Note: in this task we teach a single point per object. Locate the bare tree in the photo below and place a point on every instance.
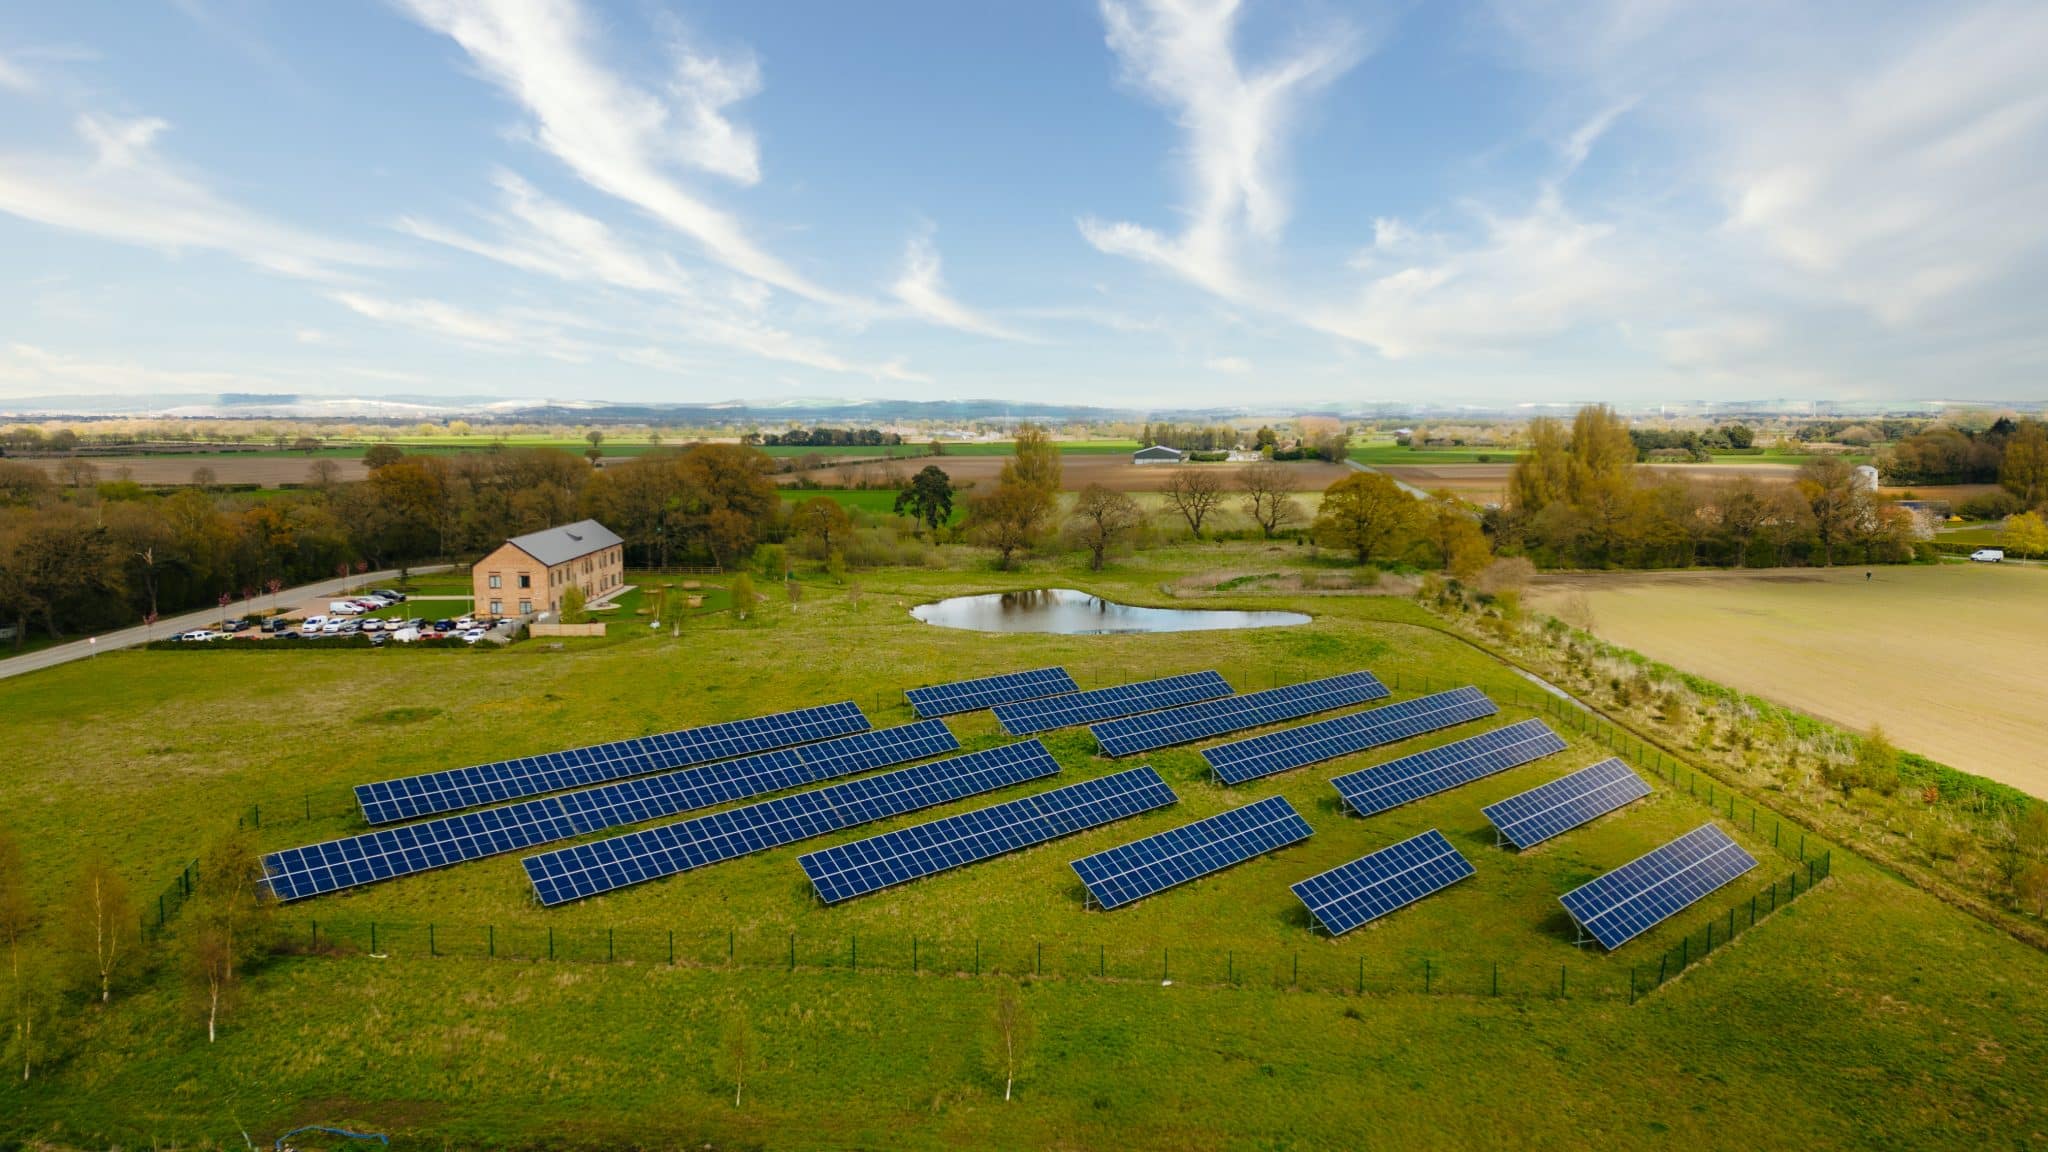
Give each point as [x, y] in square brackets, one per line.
[232, 912]
[17, 917]
[1267, 499]
[322, 474]
[1012, 1034]
[739, 1045]
[1101, 518]
[1194, 492]
[101, 921]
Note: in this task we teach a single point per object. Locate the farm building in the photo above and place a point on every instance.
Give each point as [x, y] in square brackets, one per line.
[528, 574]
[1157, 454]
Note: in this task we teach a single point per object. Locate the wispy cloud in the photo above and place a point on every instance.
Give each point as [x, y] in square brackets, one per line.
[539, 234]
[1229, 365]
[1184, 55]
[616, 136]
[30, 366]
[14, 77]
[121, 188]
[922, 289]
[509, 333]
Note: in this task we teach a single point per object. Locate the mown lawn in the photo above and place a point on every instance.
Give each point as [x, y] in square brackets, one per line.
[1865, 1013]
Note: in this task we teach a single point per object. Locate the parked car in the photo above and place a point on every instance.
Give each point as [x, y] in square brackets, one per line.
[233, 626]
[312, 622]
[406, 635]
[332, 627]
[472, 636]
[344, 607]
[377, 639]
[444, 625]
[279, 624]
[416, 622]
[391, 595]
[1989, 555]
[465, 623]
[201, 635]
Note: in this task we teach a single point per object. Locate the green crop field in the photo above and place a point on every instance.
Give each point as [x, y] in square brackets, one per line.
[1388, 452]
[1209, 1016]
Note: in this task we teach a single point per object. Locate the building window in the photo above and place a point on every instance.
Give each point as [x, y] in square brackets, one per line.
[497, 607]
[526, 579]
[526, 607]
[497, 581]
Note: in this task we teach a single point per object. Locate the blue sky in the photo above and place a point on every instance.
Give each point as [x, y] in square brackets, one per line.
[1132, 202]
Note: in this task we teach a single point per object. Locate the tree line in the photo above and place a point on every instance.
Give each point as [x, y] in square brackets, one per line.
[87, 558]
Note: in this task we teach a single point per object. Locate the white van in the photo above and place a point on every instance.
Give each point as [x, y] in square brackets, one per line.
[1988, 555]
[344, 608]
[406, 635]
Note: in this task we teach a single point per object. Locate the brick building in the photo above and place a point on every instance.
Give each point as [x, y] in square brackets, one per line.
[528, 574]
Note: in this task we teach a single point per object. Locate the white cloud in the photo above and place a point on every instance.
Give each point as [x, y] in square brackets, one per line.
[472, 329]
[539, 234]
[1183, 54]
[13, 77]
[28, 366]
[1230, 365]
[615, 136]
[1527, 277]
[312, 336]
[122, 189]
[922, 289]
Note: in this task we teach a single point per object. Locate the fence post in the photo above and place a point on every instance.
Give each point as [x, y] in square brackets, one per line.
[913, 954]
[1038, 964]
[433, 949]
[256, 815]
[732, 942]
[1684, 952]
[856, 952]
[1101, 960]
[792, 951]
[609, 955]
[1562, 987]
[491, 939]
[551, 942]
[1660, 966]
[1166, 963]
[977, 955]
[159, 910]
[1425, 977]
[316, 935]
[1361, 975]
[373, 937]
[1297, 969]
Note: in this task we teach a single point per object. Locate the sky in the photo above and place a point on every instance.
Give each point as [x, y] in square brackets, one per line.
[1126, 202]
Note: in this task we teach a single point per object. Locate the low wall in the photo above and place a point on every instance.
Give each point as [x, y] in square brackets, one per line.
[596, 629]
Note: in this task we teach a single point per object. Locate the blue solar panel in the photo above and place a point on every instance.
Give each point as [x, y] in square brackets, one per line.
[865, 866]
[968, 695]
[457, 788]
[1242, 760]
[1390, 785]
[1565, 803]
[1650, 889]
[587, 869]
[1235, 713]
[1177, 855]
[1376, 884]
[388, 852]
[1028, 716]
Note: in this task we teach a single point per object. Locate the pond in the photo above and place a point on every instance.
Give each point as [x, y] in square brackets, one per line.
[1066, 611]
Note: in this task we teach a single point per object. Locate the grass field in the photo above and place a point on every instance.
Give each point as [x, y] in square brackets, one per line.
[1941, 656]
[1113, 470]
[1387, 452]
[1866, 1013]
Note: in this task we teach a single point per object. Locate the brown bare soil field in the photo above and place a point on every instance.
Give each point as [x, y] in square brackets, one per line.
[269, 471]
[1078, 471]
[1945, 658]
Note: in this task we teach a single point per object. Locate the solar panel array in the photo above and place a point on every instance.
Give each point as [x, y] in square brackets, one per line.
[1376, 884]
[968, 695]
[1177, 855]
[1565, 803]
[587, 869]
[1390, 785]
[1028, 716]
[864, 866]
[389, 852]
[1243, 760]
[1235, 713]
[1648, 890]
[457, 788]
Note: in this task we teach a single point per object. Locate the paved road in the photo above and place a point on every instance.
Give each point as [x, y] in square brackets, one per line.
[172, 625]
[1403, 485]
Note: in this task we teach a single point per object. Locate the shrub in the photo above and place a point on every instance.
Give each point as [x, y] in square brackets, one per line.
[1996, 505]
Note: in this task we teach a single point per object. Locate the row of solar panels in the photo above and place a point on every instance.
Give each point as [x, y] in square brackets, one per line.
[790, 749]
[1030, 701]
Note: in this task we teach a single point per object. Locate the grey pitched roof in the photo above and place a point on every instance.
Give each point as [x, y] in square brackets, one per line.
[566, 542]
[1157, 449]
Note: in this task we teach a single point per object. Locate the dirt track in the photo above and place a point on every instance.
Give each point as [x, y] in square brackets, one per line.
[1940, 656]
[1078, 471]
[269, 471]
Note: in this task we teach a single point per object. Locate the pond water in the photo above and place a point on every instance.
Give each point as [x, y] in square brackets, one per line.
[1069, 612]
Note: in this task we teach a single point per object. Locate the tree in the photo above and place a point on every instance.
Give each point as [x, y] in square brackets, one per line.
[323, 475]
[229, 922]
[674, 611]
[1265, 440]
[595, 437]
[1543, 474]
[738, 1048]
[101, 919]
[77, 473]
[1195, 493]
[742, 595]
[22, 484]
[2024, 472]
[929, 499]
[1743, 510]
[2025, 533]
[1837, 503]
[819, 519]
[306, 444]
[1102, 517]
[572, 605]
[1035, 466]
[1739, 436]
[1364, 514]
[1452, 529]
[1267, 499]
[380, 455]
[1008, 519]
[1011, 1035]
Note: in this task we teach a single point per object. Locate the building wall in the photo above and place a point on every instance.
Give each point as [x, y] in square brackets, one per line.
[495, 580]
